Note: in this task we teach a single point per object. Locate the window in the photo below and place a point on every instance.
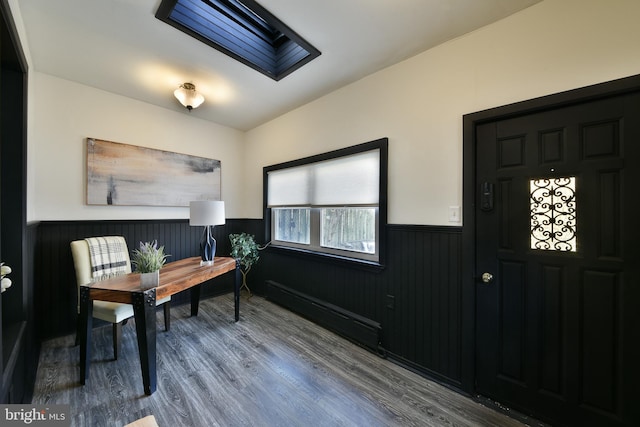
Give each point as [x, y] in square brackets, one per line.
[332, 204]
[242, 29]
[292, 225]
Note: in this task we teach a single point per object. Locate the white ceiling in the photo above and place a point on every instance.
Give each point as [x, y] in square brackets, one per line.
[119, 46]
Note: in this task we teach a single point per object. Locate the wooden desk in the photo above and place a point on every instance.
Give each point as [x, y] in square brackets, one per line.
[174, 277]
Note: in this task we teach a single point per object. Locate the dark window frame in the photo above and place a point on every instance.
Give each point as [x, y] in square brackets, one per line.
[381, 144]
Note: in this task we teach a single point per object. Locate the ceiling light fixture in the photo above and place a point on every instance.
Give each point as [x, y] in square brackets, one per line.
[188, 96]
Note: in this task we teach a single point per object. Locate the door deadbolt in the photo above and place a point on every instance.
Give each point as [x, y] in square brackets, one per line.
[487, 277]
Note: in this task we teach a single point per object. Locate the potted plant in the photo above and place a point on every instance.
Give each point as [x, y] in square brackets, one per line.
[148, 260]
[244, 249]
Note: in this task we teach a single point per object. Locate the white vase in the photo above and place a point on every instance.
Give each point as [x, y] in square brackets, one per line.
[150, 280]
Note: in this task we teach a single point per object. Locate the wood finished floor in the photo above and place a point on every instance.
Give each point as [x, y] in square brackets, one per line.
[273, 368]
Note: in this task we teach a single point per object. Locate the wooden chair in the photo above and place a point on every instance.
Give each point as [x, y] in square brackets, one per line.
[112, 312]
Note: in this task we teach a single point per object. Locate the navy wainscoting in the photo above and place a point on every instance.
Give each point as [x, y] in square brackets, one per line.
[56, 292]
[416, 298]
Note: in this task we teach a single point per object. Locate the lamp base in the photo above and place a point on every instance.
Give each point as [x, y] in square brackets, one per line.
[207, 246]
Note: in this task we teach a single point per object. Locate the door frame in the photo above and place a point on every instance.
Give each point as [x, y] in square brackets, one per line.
[469, 198]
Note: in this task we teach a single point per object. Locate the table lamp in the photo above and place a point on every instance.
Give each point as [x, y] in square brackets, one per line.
[207, 213]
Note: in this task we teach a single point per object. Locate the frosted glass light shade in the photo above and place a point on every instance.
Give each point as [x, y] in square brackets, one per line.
[206, 212]
[188, 96]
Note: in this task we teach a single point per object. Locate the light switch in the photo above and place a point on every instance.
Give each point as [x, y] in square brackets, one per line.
[454, 213]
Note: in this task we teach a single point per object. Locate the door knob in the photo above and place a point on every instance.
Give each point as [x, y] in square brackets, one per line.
[487, 277]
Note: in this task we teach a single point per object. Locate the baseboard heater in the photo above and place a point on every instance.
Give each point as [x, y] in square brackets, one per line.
[350, 325]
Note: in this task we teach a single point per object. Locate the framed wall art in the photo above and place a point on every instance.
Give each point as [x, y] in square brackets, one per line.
[128, 175]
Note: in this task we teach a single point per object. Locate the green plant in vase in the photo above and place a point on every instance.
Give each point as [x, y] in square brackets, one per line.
[244, 249]
[148, 260]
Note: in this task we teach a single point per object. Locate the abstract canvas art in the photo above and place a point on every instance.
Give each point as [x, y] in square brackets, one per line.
[128, 175]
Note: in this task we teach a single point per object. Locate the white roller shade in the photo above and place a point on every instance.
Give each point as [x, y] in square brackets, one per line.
[289, 186]
[349, 180]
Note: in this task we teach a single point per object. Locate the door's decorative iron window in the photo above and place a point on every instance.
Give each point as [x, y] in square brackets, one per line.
[553, 214]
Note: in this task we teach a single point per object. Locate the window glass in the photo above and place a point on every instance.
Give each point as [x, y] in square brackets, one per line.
[292, 225]
[349, 229]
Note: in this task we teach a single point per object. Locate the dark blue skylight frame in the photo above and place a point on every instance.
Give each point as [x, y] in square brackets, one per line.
[243, 30]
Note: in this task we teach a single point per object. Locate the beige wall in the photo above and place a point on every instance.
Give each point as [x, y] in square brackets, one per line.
[551, 47]
[63, 114]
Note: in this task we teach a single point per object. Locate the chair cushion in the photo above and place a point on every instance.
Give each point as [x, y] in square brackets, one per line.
[112, 311]
[162, 301]
[115, 312]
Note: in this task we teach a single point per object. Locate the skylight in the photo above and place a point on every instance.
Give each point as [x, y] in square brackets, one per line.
[243, 30]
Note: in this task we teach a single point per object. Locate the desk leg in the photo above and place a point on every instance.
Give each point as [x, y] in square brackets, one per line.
[195, 299]
[84, 332]
[236, 290]
[144, 309]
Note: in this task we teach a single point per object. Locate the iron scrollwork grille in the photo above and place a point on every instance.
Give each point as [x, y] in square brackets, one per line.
[553, 214]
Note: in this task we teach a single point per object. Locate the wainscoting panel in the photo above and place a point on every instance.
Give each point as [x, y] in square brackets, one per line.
[56, 293]
[425, 289]
[416, 298]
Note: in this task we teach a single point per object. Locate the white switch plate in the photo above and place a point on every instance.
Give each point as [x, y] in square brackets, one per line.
[454, 213]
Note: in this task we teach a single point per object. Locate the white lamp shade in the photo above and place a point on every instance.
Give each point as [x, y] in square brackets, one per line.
[206, 212]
